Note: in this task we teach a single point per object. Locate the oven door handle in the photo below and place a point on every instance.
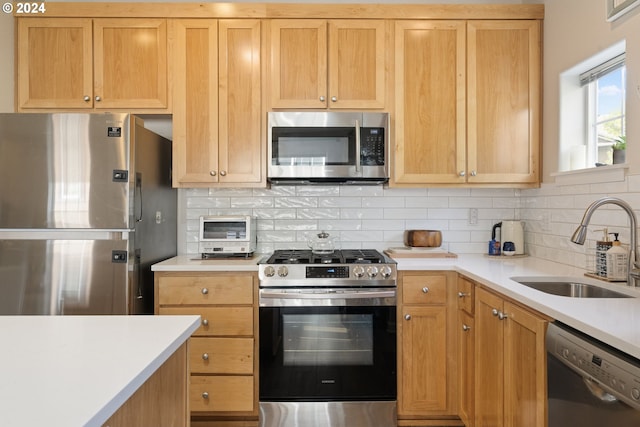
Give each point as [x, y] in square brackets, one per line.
[328, 294]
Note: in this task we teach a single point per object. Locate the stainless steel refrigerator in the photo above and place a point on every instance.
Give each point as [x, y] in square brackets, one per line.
[86, 206]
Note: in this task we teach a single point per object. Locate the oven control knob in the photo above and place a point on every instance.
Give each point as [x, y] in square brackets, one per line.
[358, 271]
[283, 271]
[372, 272]
[385, 271]
[269, 271]
[635, 393]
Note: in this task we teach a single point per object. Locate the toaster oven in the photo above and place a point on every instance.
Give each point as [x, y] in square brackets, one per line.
[227, 235]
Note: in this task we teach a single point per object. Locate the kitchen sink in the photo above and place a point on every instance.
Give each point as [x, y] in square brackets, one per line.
[567, 287]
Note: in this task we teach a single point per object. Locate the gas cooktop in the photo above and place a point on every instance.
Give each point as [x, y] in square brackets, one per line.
[345, 256]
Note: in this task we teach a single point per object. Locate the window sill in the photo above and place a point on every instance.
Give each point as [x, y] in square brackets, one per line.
[597, 175]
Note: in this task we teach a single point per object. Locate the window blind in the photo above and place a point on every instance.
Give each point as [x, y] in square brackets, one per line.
[602, 69]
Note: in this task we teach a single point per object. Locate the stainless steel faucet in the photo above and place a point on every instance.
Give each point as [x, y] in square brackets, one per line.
[579, 236]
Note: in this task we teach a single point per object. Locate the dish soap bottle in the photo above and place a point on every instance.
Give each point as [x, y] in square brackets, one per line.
[602, 246]
[617, 261]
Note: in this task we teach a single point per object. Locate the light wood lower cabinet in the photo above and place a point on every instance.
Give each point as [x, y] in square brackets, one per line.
[466, 349]
[510, 364]
[427, 385]
[222, 358]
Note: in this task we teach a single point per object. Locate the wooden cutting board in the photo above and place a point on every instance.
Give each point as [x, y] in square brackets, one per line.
[406, 252]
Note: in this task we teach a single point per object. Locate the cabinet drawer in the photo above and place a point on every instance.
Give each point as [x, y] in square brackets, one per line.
[424, 289]
[221, 356]
[465, 295]
[220, 321]
[217, 290]
[221, 393]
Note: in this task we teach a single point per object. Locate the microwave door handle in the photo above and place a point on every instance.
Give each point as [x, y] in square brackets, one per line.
[358, 165]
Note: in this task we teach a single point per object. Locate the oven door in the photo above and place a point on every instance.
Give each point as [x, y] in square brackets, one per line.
[323, 348]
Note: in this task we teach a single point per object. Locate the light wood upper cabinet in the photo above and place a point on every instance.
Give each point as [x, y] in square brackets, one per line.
[430, 140]
[217, 120]
[130, 63]
[55, 66]
[328, 64]
[78, 63]
[510, 367]
[504, 90]
[467, 102]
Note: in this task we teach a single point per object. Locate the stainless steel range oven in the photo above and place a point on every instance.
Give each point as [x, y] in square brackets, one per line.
[328, 339]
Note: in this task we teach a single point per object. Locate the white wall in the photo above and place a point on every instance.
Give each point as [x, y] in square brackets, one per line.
[6, 63]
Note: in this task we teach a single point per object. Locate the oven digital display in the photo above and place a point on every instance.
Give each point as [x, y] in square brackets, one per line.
[328, 272]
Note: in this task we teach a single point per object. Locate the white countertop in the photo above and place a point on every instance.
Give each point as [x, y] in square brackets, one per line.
[614, 321]
[195, 263]
[72, 371]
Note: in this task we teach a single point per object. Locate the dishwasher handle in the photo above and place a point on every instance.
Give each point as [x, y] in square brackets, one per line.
[598, 392]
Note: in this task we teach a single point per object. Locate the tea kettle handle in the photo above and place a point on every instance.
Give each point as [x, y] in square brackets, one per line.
[493, 230]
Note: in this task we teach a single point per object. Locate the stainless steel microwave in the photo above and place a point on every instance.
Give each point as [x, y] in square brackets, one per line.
[226, 235]
[328, 147]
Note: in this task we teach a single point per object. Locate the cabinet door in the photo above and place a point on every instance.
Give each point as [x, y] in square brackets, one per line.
[525, 364]
[424, 360]
[130, 63]
[357, 64]
[241, 149]
[489, 357]
[430, 102]
[466, 361]
[504, 101]
[298, 63]
[55, 67]
[194, 53]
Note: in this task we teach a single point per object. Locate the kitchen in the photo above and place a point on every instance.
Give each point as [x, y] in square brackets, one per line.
[376, 216]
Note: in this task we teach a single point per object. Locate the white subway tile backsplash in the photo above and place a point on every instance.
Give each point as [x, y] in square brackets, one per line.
[376, 217]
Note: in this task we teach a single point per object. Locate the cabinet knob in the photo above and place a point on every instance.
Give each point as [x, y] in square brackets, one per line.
[466, 328]
[205, 356]
[205, 395]
[213, 173]
[334, 99]
[474, 173]
[425, 290]
[462, 173]
[87, 98]
[495, 312]
[407, 317]
[502, 316]
[462, 294]
[205, 291]
[223, 173]
[205, 322]
[322, 99]
[98, 99]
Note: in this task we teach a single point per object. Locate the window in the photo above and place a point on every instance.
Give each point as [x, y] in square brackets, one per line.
[592, 109]
[605, 94]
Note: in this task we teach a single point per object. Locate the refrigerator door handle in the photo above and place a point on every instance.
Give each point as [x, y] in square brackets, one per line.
[139, 195]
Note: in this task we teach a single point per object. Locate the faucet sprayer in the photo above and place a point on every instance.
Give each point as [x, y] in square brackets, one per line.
[579, 236]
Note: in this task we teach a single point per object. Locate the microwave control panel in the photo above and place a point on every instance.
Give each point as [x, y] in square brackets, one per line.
[372, 146]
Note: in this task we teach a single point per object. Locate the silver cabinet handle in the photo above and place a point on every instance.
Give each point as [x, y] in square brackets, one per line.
[322, 99]
[463, 294]
[495, 312]
[425, 290]
[205, 291]
[358, 166]
[205, 322]
[223, 173]
[502, 316]
[212, 173]
[407, 317]
[87, 98]
[205, 356]
[462, 173]
[205, 395]
[98, 99]
[473, 173]
[334, 99]
[466, 328]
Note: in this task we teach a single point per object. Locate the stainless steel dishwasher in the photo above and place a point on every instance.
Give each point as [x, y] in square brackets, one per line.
[589, 383]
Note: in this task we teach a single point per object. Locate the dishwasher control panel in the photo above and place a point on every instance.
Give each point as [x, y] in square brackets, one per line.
[616, 373]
